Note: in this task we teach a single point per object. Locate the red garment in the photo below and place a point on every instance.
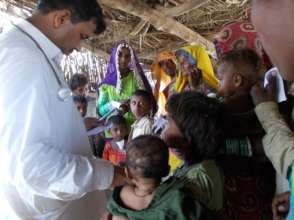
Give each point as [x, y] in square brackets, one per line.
[113, 154]
[237, 36]
[249, 189]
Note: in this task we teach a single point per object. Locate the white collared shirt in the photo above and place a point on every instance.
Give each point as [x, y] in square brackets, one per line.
[142, 126]
[46, 166]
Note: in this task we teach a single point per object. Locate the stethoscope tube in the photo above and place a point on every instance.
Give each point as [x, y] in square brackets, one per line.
[63, 93]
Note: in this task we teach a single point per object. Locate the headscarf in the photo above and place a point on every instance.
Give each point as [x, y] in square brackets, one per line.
[239, 35]
[161, 78]
[112, 76]
[157, 72]
[196, 55]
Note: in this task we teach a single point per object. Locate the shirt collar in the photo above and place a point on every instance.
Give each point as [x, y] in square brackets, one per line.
[50, 49]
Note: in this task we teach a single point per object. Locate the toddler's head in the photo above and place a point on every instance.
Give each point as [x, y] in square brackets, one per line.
[118, 127]
[238, 71]
[147, 157]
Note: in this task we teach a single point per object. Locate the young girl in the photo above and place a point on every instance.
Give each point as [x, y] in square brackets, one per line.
[114, 150]
[193, 133]
[141, 108]
[147, 198]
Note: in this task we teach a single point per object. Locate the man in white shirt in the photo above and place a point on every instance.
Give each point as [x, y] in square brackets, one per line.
[46, 170]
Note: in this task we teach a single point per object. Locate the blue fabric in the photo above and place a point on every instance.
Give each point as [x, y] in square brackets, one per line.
[187, 56]
[291, 178]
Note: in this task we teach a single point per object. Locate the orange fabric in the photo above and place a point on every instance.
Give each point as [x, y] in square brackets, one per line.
[113, 155]
[161, 78]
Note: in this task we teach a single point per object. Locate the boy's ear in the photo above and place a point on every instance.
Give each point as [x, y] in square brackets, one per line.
[237, 80]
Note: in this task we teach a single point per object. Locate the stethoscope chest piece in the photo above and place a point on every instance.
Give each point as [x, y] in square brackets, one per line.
[64, 94]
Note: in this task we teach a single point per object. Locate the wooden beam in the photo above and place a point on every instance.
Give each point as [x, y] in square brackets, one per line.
[172, 12]
[97, 51]
[152, 55]
[160, 21]
[183, 8]
[138, 28]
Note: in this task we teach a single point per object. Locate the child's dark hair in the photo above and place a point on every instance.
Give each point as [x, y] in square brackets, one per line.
[245, 61]
[81, 10]
[199, 118]
[144, 94]
[80, 99]
[147, 155]
[117, 120]
[77, 80]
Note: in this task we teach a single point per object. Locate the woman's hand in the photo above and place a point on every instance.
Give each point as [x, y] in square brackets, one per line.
[124, 107]
[195, 78]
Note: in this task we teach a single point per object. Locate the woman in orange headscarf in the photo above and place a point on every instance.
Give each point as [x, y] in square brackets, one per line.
[164, 73]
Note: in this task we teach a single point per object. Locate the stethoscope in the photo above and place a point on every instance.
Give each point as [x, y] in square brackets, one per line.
[63, 93]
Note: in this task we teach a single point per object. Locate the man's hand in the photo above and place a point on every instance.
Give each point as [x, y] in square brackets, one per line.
[281, 206]
[195, 78]
[106, 216]
[260, 94]
[119, 177]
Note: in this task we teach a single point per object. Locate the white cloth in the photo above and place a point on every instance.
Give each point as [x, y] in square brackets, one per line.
[141, 126]
[280, 89]
[121, 144]
[46, 167]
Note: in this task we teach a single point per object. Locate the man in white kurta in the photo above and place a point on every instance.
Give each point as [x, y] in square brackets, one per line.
[46, 167]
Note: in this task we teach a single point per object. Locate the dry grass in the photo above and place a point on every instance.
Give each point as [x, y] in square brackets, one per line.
[147, 41]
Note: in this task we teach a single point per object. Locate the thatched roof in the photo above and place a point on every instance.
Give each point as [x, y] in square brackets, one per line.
[155, 25]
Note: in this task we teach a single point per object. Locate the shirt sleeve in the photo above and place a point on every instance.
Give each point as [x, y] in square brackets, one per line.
[27, 157]
[278, 142]
[147, 128]
[144, 127]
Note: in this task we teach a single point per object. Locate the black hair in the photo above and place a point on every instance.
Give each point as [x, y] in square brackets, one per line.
[149, 97]
[80, 99]
[199, 118]
[245, 61]
[117, 120]
[148, 155]
[144, 94]
[81, 10]
[77, 80]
